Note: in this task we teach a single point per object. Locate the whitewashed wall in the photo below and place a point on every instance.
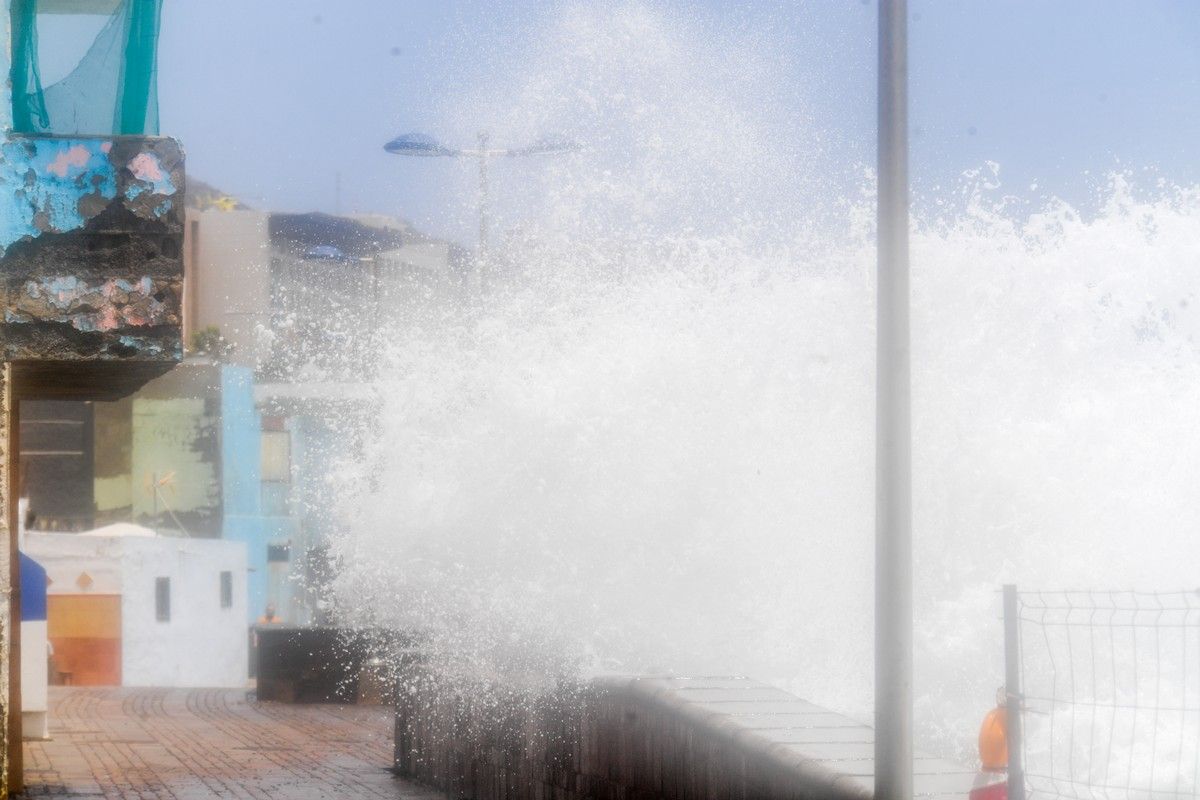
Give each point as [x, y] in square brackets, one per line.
[66, 556]
[202, 644]
[35, 701]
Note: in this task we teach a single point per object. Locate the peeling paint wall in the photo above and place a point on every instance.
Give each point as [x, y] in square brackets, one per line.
[92, 305]
[175, 443]
[91, 233]
[59, 185]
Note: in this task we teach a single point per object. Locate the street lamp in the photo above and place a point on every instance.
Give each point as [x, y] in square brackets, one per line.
[418, 144]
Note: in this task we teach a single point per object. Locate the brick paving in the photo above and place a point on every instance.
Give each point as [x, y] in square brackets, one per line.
[190, 744]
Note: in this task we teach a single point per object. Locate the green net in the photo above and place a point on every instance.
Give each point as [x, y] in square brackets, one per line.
[113, 89]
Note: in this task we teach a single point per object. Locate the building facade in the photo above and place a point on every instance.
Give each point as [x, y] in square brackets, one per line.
[283, 314]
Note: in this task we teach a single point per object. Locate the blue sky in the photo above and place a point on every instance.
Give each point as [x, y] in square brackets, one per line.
[274, 99]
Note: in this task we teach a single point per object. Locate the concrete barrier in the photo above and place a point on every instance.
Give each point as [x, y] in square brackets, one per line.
[628, 738]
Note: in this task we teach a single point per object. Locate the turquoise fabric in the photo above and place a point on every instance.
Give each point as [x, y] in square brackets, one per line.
[112, 90]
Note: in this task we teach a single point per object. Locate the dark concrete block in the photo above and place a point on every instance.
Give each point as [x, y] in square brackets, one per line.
[316, 665]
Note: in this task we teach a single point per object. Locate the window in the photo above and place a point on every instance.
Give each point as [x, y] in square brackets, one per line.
[162, 599]
[226, 589]
[276, 456]
[277, 553]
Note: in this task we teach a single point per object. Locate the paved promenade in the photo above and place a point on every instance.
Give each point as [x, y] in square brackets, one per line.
[210, 743]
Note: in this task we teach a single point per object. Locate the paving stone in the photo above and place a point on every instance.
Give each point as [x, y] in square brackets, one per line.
[154, 744]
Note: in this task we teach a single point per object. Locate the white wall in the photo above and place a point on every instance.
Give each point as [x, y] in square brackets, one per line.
[34, 680]
[66, 557]
[227, 263]
[203, 644]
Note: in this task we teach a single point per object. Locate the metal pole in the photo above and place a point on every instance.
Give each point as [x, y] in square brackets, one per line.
[1012, 698]
[483, 209]
[893, 447]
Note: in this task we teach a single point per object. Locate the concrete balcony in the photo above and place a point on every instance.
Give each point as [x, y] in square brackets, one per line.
[91, 235]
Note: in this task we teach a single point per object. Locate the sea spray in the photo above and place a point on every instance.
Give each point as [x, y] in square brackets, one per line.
[649, 446]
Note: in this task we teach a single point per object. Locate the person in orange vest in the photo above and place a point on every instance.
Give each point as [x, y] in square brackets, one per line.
[269, 617]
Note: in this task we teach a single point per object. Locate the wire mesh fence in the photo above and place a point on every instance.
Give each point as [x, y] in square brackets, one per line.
[1109, 693]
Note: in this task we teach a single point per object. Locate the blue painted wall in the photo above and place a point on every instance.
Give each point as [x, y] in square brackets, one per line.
[246, 518]
[241, 481]
[75, 179]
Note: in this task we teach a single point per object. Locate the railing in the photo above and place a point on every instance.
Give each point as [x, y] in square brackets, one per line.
[1105, 686]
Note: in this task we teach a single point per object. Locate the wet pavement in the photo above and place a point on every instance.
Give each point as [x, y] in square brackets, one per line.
[190, 744]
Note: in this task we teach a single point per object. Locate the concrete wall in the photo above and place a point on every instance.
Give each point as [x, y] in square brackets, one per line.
[203, 644]
[227, 258]
[729, 738]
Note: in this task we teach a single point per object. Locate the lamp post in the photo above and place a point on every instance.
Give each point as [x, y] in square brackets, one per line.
[893, 430]
[418, 144]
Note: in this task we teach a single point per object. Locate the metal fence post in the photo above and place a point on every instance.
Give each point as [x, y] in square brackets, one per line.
[1012, 684]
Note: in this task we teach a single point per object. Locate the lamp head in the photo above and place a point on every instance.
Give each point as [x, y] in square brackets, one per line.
[417, 144]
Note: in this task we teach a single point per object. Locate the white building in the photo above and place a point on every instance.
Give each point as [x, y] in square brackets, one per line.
[126, 607]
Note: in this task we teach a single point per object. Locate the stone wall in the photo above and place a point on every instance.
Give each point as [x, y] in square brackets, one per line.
[678, 738]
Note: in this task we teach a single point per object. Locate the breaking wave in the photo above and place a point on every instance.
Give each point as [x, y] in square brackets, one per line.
[649, 446]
